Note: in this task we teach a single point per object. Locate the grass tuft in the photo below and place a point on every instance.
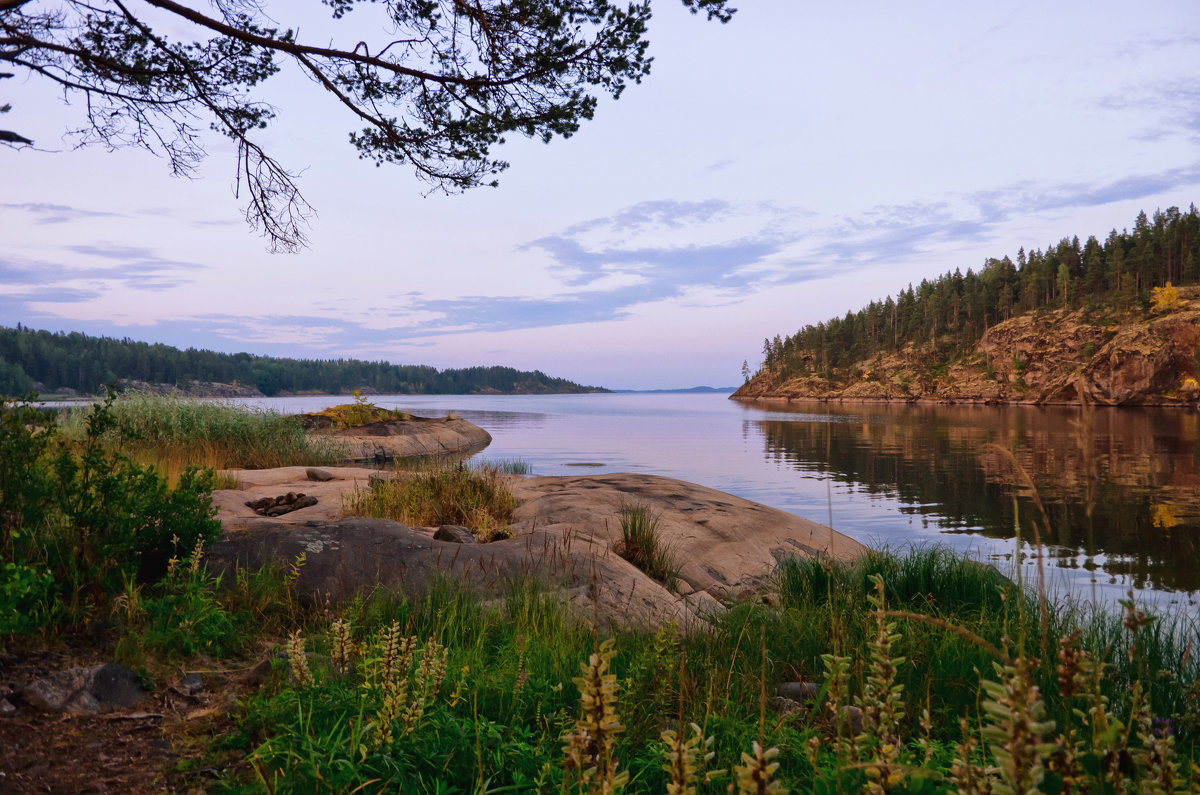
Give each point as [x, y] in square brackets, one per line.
[641, 545]
[475, 498]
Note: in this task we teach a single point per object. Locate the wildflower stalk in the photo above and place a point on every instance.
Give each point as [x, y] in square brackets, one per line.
[882, 702]
[590, 747]
[298, 660]
[755, 775]
[341, 647]
[1015, 729]
[681, 759]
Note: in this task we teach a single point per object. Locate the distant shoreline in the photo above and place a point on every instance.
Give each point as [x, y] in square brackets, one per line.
[959, 401]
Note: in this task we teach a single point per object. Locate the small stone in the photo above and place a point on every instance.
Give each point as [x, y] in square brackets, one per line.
[379, 478]
[787, 707]
[258, 674]
[81, 702]
[7, 710]
[804, 692]
[454, 533]
[851, 721]
[305, 501]
[320, 475]
[191, 684]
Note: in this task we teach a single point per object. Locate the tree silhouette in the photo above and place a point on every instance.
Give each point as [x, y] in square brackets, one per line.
[442, 82]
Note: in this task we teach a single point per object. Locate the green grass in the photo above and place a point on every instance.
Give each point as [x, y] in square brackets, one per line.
[511, 466]
[174, 433]
[510, 698]
[440, 493]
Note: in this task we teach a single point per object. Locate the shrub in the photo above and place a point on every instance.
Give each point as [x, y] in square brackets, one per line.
[27, 603]
[86, 518]
[360, 412]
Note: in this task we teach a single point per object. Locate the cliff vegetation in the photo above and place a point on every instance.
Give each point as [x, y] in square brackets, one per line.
[1117, 322]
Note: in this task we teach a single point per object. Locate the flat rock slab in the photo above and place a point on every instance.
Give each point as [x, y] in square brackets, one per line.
[256, 484]
[727, 545]
[412, 438]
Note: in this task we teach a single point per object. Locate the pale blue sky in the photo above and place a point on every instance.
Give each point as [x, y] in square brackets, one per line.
[789, 166]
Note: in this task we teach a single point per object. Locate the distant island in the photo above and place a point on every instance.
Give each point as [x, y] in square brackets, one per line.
[695, 390]
[1113, 323]
[69, 364]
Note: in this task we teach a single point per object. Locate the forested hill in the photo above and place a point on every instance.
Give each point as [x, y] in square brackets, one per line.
[80, 363]
[908, 346]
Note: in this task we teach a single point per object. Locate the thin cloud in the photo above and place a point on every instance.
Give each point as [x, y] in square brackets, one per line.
[58, 213]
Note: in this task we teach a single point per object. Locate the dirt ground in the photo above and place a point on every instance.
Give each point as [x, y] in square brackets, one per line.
[152, 747]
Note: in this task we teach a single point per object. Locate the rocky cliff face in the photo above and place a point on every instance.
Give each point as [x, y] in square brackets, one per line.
[1135, 358]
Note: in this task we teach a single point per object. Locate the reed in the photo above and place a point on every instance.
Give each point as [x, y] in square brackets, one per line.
[174, 433]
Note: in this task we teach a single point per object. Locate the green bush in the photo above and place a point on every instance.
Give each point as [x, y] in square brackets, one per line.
[27, 433]
[83, 517]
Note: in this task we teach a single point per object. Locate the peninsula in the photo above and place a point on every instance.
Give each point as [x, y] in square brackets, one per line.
[1116, 323]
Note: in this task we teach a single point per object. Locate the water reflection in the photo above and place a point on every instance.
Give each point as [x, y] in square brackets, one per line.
[1119, 487]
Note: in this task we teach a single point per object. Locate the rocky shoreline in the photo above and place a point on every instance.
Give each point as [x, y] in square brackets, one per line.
[566, 534]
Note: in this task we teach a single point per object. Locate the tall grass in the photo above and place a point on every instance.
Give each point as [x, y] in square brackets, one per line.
[173, 433]
[438, 494]
[503, 706]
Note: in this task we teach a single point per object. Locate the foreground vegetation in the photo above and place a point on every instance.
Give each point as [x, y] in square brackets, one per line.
[929, 673]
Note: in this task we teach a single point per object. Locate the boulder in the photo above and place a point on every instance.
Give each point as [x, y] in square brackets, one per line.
[353, 555]
[86, 690]
[804, 692]
[455, 533]
[415, 437]
[787, 707]
[319, 475]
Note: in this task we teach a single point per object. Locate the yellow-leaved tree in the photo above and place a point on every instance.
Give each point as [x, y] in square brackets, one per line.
[1165, 298]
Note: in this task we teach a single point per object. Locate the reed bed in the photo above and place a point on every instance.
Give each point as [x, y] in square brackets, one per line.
[174, 433]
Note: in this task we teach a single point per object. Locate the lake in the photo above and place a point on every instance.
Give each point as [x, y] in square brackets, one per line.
[893, 474]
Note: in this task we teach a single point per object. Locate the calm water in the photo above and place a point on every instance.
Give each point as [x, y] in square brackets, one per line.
[892, 475]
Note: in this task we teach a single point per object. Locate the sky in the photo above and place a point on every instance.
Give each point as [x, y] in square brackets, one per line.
[782, 169]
